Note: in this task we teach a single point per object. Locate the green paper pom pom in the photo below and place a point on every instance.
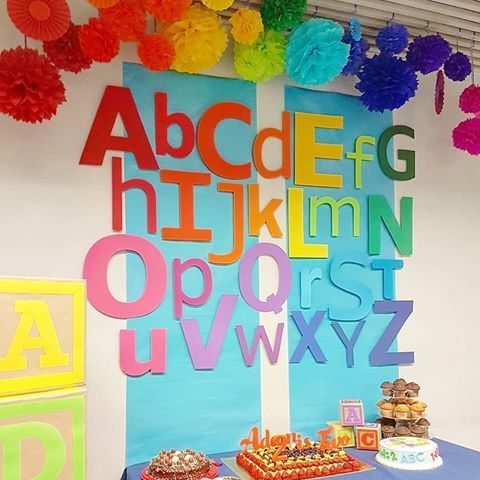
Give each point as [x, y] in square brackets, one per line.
[262, 60]
[281, 15]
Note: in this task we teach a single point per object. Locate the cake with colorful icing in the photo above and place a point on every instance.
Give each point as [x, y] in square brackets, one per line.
[409, 453]
[292, 463]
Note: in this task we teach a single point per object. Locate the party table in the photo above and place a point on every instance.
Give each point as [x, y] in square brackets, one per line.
[460, 463]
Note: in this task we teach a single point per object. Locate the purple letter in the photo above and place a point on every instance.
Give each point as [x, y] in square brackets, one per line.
[260, 334]
[349, 344]
[308, 339]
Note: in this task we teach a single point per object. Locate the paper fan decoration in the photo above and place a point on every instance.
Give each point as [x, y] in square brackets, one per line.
[103, 3]
[44, 20]
[439, 92]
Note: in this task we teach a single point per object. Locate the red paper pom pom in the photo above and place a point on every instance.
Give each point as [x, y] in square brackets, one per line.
[466, 136]
[98, 42]
[30, 86]
[65, 53]
[126, 19]
[156, 52]
[40, 19]
[470, 99]
[103, 3]
[168, 10]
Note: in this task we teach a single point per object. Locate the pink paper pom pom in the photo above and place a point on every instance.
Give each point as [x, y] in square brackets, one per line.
[470, 99]
[466, 136]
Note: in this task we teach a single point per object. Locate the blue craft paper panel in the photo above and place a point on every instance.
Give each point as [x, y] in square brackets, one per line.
[315, 388]
[204, 410]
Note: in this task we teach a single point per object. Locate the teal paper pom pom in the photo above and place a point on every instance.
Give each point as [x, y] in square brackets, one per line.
[355, 29]
[281, 15]
[262, 60]
[316, 53]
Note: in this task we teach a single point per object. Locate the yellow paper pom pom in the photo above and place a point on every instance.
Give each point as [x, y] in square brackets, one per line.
[199, 40]
[247, 25]
[218, 5]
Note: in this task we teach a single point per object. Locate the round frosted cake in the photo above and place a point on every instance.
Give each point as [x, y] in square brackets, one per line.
[409, 453]
[178, 465]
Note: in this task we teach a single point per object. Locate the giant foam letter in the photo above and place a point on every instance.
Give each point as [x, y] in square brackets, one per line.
[308, 340]
[335, 206]
[266, 216]
[388, 267]
[260, 336]
[348, 343]
[407, 155]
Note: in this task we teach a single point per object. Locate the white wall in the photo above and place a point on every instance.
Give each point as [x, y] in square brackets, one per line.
[52, 210]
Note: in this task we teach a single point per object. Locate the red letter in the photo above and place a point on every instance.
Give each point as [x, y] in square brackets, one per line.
[206, 139]
[284, 136]
[162, 123]
[118, 101]
[118, 187]
[186, 182]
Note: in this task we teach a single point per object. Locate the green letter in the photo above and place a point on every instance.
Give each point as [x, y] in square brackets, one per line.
[407, 155]
[335, 207]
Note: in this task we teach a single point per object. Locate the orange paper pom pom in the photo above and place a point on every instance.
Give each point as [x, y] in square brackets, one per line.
[168, 10]
[103, 3]
[156, 52]
[126, 19]
[97, 42]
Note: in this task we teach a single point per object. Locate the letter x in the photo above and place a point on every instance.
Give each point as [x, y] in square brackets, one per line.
[308, 340]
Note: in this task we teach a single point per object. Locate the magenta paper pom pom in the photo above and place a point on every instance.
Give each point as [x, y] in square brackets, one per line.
[466, 136]
[470, 99]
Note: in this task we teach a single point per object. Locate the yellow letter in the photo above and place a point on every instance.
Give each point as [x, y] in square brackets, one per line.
[34, 312]
[307, 150]
[296, 235]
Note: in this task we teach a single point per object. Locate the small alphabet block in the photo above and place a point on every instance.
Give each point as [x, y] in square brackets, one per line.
[368, 436]
[340, 431]
[351, 412]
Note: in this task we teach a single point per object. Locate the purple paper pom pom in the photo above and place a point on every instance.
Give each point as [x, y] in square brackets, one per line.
[392, 39]
[466, 136]
[386, 83]
[470, 99]
[428, 54]
[457, 67]
[356, 58]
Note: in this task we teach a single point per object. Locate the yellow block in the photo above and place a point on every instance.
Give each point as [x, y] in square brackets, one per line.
[340, 431]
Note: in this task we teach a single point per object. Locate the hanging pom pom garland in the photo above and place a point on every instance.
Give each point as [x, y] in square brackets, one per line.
[246, 26]
[458, 67]
[103, 3]
[218, 5]
[199, 40]
[316, 53]
[40, 19]
[167, 10]
[470, 100]
[281, 15]
[66, 53]
[97, 42]
[263, 60]
[428, 54]
[126, 19]
[386, 83]
[439, 92]
[156, 52]
[466, 136]
[30, 86]
[392, 39]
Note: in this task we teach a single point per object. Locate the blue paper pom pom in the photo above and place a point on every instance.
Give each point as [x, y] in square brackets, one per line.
[392, 39]
[458, 67]
[356, 58]
[386, 83]
[355, 29]
[428, 54]
[316, 53]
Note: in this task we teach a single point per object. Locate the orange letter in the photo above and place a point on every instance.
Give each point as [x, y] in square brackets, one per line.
[206, 139]
[257, 218]
[285, 137]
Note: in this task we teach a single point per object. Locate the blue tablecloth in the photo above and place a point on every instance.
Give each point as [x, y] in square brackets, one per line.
[459, 464]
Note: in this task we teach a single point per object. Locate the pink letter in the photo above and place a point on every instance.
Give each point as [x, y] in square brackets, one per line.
[260, 334]
[158, 353]
[205, 358]
[95, 272]
[179, 296]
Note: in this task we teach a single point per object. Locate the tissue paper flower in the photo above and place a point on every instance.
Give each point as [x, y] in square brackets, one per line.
[470, 99]
[218, 5]
[126, 19]
[280, 15]
[167, 10]
[199, 40]
[262, 60]
[428, 54]
[466, 136]
[103, 3]
[316, 53]
[30, 86]
[246, 26]
[357, 55]
[392, 39]
[40, 19]
[355, 29]
[386, 83]
[458, 67]
[97, 42]
[156, 52]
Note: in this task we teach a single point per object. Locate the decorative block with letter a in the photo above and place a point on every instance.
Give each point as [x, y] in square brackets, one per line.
[351, 412]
